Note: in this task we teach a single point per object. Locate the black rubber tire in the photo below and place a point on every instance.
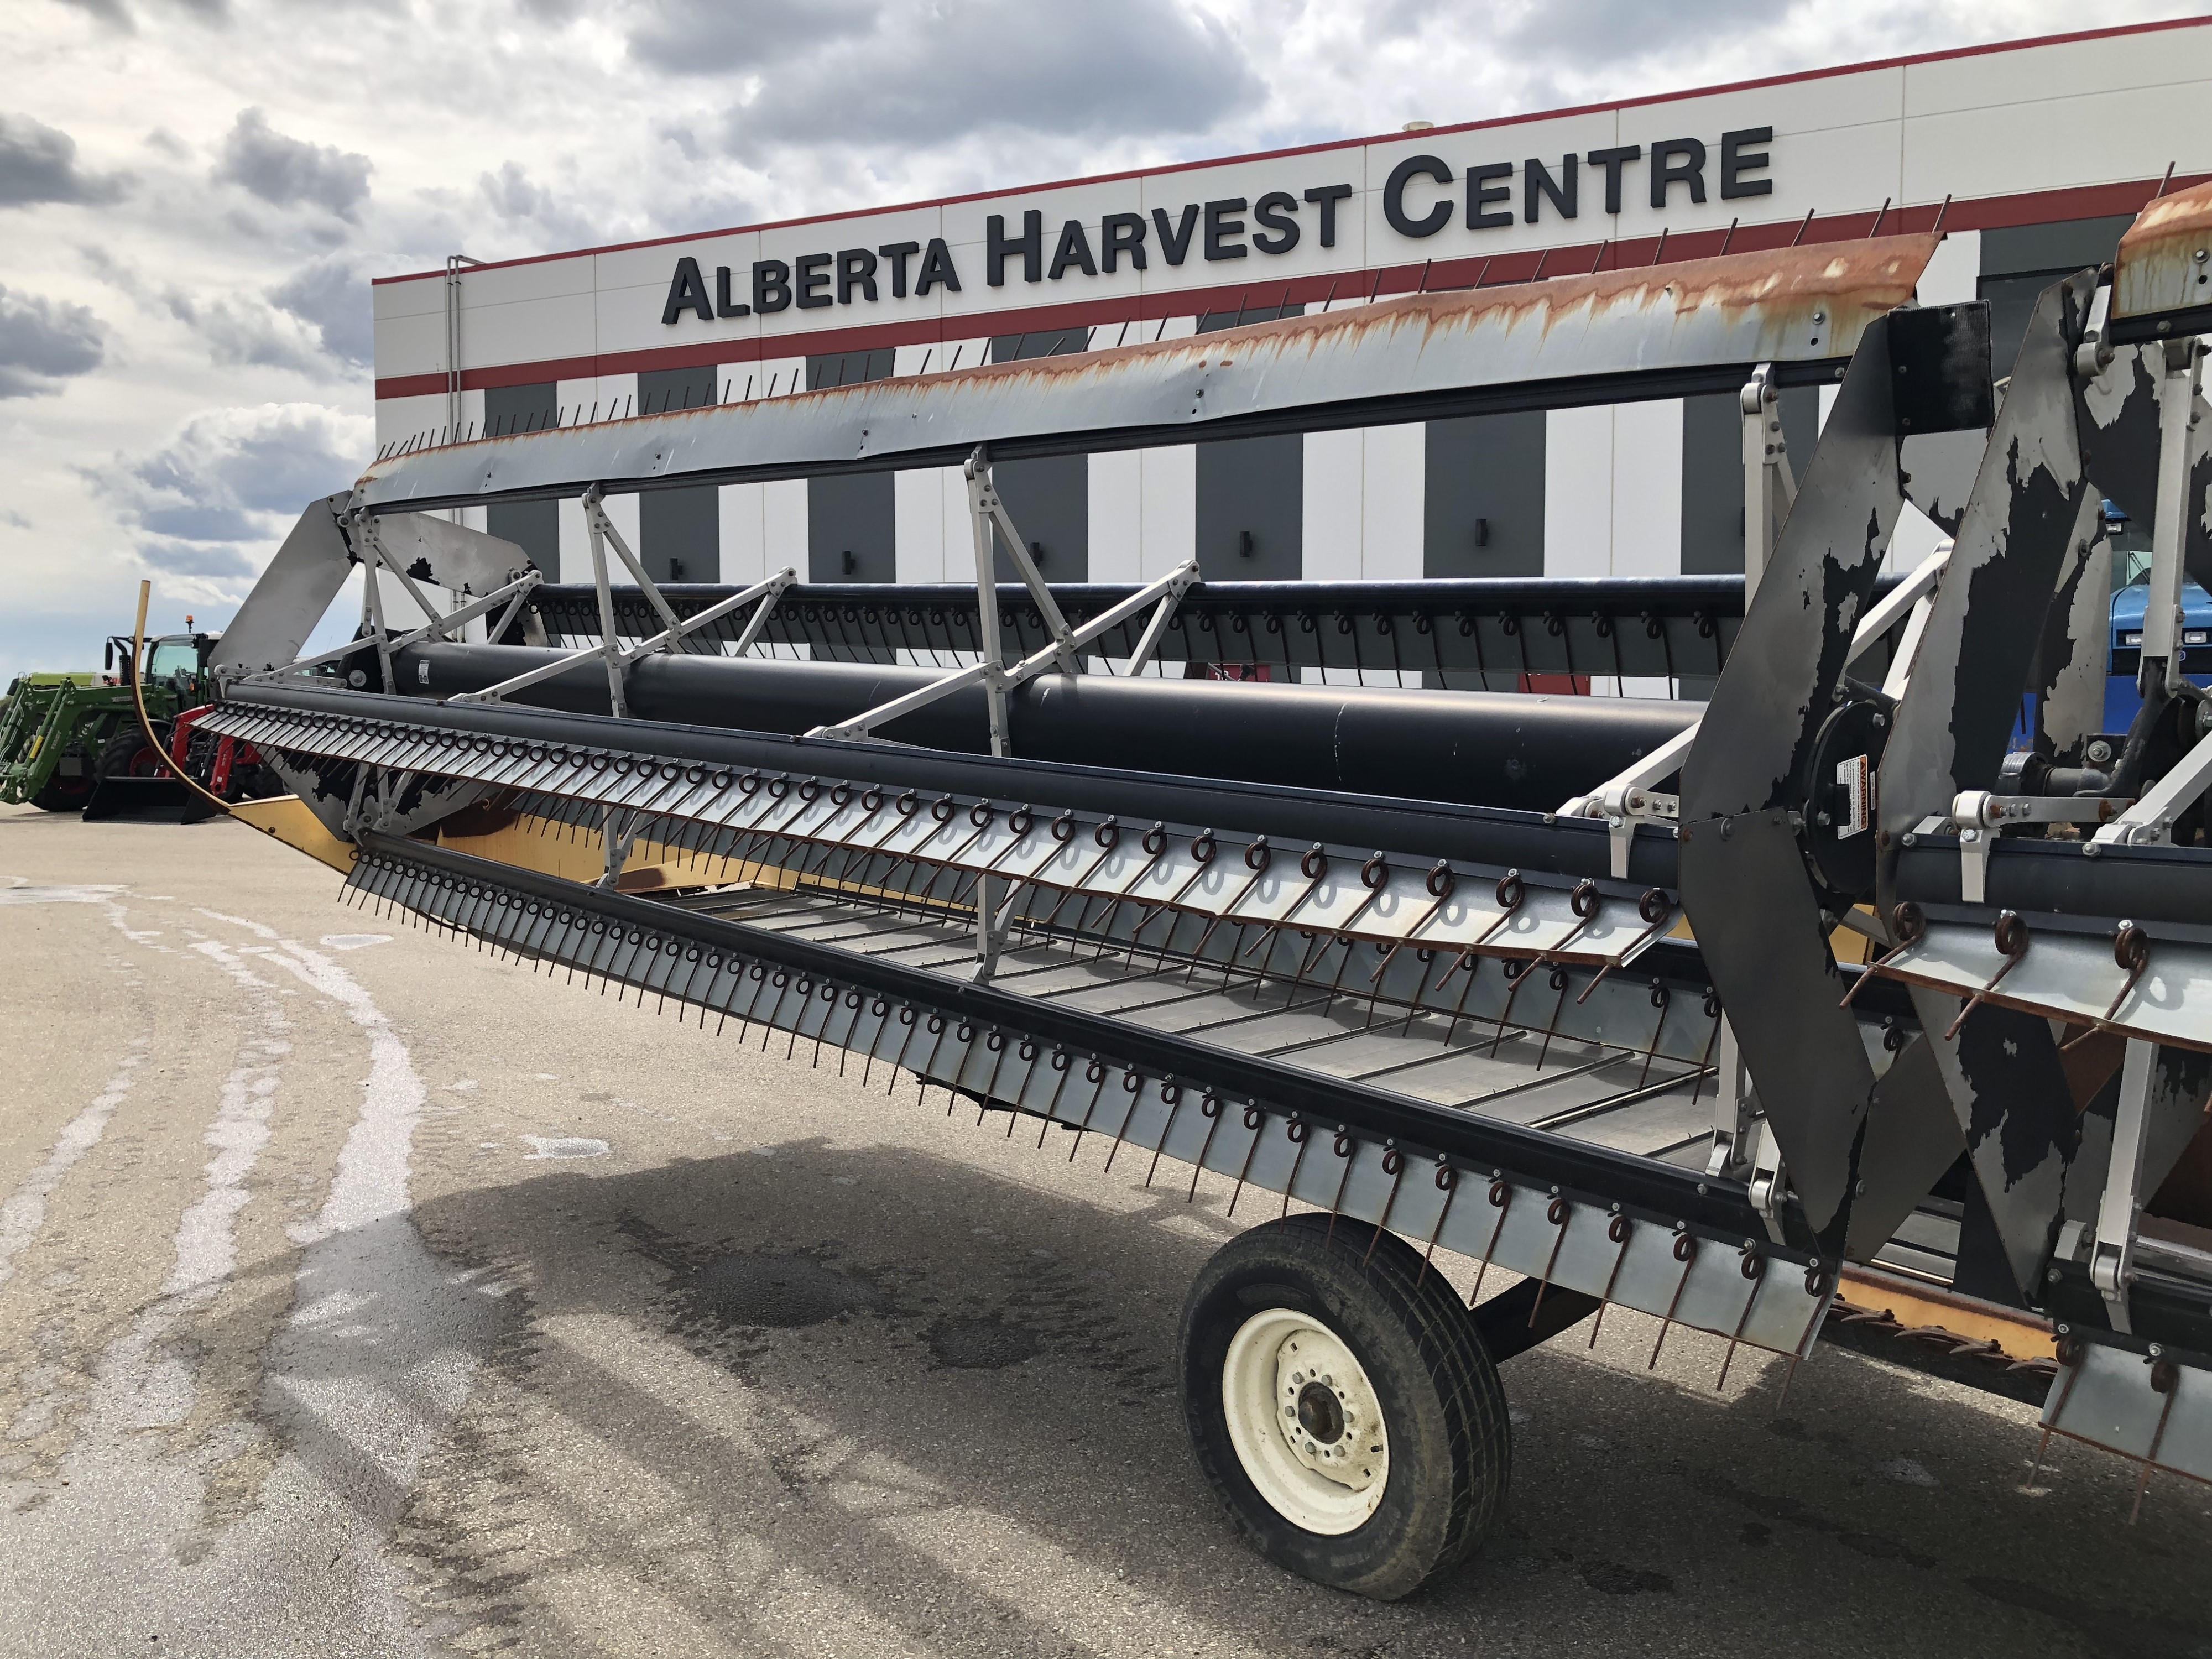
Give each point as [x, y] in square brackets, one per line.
[121, 751]
[63, 794]
[1450, 1442]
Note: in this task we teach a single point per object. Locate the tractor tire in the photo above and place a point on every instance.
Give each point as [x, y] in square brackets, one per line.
[1342, 1404]
[63, 794]
[127, 755]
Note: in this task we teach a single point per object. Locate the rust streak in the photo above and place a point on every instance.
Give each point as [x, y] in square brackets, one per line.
[1850, 282]
[2159, 265]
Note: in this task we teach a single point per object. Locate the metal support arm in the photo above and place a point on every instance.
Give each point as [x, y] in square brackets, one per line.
[602, 527]
[436, 628]
[767, 593]
[989, 512]
[2183, 365]
[2112, 1257]
[2150, 820]
[1179, 581]
[1629, 798]
[1769, 488]
[861, 727]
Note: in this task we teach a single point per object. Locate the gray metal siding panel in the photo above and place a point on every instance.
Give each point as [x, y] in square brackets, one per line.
[1050, 502]
[1484, 511]
[679, 531]
[2019, 262]
[853, 513]
[533, 527]
[1255, 489]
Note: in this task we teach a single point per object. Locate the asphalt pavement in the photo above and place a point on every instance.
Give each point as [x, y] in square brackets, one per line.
[363, 1294]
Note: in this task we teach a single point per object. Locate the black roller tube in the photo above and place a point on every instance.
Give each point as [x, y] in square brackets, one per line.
[1480, 749]
[2145, 885]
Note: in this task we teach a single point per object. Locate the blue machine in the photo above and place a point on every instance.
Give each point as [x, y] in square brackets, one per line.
[2121, 700]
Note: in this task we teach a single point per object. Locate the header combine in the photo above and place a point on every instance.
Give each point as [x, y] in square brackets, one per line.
[1573, 987]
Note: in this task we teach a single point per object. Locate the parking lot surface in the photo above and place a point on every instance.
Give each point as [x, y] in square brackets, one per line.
[363, 1294]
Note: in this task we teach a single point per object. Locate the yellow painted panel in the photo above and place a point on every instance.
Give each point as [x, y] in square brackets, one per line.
[288, 819]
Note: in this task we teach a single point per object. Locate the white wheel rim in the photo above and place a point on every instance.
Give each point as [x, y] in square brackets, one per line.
[1305, 1422]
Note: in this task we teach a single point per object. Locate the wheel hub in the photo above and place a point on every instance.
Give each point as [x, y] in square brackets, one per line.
[1319, 1413]
[1305, 1420]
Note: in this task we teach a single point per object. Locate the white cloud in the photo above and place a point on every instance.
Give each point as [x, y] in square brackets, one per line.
[287, 171]
[194, 193]
[217, 497]
[43, 342]
[38, 163]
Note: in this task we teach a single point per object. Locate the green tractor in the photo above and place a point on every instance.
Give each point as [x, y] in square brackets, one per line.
[72, 741]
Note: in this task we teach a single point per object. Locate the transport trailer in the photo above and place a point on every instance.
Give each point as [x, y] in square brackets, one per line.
[1571, 987]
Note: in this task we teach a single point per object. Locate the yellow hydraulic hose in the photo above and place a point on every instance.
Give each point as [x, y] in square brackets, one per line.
[139, 697]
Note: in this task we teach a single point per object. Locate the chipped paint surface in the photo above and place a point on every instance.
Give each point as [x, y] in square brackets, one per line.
[1801, 305]
[2164, 260]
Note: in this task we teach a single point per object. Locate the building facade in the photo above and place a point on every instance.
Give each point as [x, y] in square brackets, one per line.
[2031, 157]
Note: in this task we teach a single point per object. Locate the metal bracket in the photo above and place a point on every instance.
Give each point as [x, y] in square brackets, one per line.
[2150, 820]
[1982, 809]
[2111, 1256]
[2162, 622]
[615, 846]
[1769, 489]
[1628, 799]
[1769, 1186]
[1978, 815]
[1734, 1114]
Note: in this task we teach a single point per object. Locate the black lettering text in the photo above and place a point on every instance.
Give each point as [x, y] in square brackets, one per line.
[937, 269]
[1220, 228]
[1274, 211]
[1394, 196]
[998, 247]
[1486, 187]
[813, 280]
[771, 285]
[1678, 161]
[1175, 243]
[725, 303]
[1736, 161]
[1073, 249]
[1537, 183]
[1325, 197]
[1120, 233]
[1612, 161]
[856, 267]
[687, 291]
[898, 253]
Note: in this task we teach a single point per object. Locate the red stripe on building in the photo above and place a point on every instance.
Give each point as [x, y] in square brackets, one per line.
[1988, 213]
[1794, 78]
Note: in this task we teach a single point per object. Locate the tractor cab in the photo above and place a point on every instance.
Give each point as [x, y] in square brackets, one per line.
[175, 662]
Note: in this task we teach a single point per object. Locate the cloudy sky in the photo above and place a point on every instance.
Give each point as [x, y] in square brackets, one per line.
[194, 193]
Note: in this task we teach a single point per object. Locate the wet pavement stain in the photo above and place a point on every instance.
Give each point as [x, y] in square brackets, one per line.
[1613, 1579]
[782, 1291]
[989, 1344]
[1793, 1511]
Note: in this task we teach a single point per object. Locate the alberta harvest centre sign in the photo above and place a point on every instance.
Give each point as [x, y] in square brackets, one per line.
[1423, 195]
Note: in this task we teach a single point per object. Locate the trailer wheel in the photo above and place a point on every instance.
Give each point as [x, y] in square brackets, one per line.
[1344, 1409]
